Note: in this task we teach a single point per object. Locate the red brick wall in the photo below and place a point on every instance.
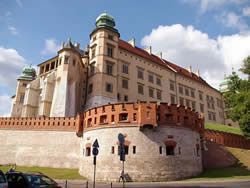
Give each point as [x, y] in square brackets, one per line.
[143, 114]
[121, 114]
[41, 123]
[216, 156]
[227, 139]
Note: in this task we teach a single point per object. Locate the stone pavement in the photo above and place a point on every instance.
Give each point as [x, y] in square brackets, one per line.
[176, 184]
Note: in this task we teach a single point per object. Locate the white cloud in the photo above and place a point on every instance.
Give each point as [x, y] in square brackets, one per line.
[206, 5]
[187, 46]
[19, 3]
[51, 47]
[246, 11]
[5, 106]
[231, 19]
[11, 63]
[13, 30]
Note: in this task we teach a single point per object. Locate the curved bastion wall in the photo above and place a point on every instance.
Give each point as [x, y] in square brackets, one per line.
[147, 158]
[162, 142]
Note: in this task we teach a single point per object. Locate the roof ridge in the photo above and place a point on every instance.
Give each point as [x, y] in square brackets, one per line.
[154, 58]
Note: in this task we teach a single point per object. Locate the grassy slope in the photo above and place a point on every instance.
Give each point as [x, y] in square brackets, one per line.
[55, 173]
[239, 171]
[224, 128]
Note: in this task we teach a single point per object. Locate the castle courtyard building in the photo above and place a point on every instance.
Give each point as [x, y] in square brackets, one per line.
[110, 70]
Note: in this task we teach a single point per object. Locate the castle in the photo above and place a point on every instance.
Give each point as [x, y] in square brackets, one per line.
[110, 70]
[113, 87]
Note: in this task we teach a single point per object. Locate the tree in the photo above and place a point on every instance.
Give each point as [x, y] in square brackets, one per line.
[238, 98]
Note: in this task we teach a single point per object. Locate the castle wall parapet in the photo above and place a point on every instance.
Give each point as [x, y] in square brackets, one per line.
[41, 123]
[227, 139]
[142, 114]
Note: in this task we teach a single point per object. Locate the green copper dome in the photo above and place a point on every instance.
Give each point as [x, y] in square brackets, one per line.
[105, 20]
[28, 73]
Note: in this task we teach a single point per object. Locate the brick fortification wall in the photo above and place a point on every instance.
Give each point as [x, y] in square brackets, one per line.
[227, 139]
[149, 129]
[60, 142]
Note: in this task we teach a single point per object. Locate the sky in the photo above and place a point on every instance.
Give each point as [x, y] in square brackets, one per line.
[210, 35]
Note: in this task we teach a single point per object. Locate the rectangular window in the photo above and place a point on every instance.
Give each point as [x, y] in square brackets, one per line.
[47, 67]
[93, 53]
[140, 89]
[151, 92]
[200, 95]
[187, 103]
[92, 69]
[169, 150]
[158, 81]
[180, 89]
[110, 37]
[123, 117]
[171, 85]
[88, 151]
[193, 93]
[151, 78]
[201, 107]
[90, 89]
[172, 99]
[187, 91]
[22, 98]
[140, 74]
[125, 98]
[112, 149]
[125, 68]
[110, 51]
[134, 149]
[109, 68]
[181, 101]
[109, 87]
[214, 116]
[125, 83]
[193, 105]
[52, 65]
[160, 149]
[158, 94]
[41, 69]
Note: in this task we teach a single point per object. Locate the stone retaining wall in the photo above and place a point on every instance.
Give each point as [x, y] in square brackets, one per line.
[40, 148]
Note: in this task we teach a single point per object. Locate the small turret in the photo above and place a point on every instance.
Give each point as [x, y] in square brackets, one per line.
[28, 74]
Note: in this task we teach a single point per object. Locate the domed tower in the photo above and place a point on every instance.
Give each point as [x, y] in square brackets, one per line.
[28, 75]
[102, 75]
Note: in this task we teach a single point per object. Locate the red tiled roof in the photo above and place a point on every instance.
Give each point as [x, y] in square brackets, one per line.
[151, 57]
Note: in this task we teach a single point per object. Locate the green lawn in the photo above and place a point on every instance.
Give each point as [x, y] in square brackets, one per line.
[238, 171]
[234, 172]
[55, 173]
[224, 128]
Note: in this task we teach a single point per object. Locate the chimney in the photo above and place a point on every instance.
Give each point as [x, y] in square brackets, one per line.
[77, 45]
[198, 73]
[148, 49]
[159, 55]
[132, 42]
[189, 69]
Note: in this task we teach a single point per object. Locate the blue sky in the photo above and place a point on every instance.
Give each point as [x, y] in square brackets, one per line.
[212, 35]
